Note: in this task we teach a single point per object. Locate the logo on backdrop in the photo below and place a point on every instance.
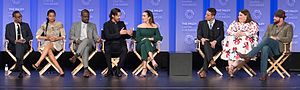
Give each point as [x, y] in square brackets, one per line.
[189, 14]
[189, 39]
[155, 2]
[50, 2]
[16, 2]
[123, 14]
[223, 2]
[257, 14]
[86, 2]
[291, 3]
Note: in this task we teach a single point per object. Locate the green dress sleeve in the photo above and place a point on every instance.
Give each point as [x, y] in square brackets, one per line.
[157, 36]
[138, 35]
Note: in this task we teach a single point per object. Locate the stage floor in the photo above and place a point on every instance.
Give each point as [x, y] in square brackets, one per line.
[242, 81]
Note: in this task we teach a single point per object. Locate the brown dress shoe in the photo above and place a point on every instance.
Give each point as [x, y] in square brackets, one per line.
[202, 74]
[212, 63]
[263, 77]
[86, 74]
[72, 59]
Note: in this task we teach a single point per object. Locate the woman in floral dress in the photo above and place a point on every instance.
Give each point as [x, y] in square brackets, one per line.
[241, 37]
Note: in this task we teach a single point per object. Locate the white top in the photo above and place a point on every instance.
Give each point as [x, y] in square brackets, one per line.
[83, 33]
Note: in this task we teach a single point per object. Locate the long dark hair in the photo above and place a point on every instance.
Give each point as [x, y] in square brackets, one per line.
[49, 11]
[248, 15]
[150, 14]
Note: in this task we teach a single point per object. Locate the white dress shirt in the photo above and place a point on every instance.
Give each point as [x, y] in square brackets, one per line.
[16, 30]
[83, 33]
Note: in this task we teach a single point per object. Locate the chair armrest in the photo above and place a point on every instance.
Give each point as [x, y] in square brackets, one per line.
[102, 45]
[287, 47]
[6, 45]
[158, 43]
[198, 43]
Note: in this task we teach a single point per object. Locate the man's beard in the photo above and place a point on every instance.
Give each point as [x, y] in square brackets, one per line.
[276, 21]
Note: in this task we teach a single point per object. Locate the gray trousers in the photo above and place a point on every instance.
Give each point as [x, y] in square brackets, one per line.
[84, 49]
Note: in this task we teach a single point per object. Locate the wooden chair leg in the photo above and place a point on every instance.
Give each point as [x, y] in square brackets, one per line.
[76, 70]
[152, 70]
[247, 71]
[26, 70]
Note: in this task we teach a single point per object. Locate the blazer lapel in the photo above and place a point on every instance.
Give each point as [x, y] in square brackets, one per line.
[13, 31]
[78, 30]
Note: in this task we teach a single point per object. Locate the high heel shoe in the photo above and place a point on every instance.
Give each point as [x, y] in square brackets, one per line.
[230, 71]
[143, 74]
[36, 67]
[155, 65]
[61, 75]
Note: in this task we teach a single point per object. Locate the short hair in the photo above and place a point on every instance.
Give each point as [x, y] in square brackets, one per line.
[15, 12]
[213, 11]
[280, 13]
[85, 11]
[114, 11]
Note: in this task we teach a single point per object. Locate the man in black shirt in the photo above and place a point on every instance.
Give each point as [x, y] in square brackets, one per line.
[115, 34]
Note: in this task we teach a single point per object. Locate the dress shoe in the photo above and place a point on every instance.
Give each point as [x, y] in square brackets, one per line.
[118, 72]
[263, 77]
[202, 74]
[86, 73]
[20, 75]
[212, 63]
[109, 73]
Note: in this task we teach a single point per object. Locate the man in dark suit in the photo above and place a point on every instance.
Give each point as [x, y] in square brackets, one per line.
[115, 34]
[18, 34]
[210, 32]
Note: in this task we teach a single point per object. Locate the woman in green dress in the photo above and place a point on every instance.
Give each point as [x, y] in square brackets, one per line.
[146, 35]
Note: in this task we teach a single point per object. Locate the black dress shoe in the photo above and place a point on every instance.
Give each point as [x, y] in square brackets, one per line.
[118, 72]
[20, 75]
[109, 73]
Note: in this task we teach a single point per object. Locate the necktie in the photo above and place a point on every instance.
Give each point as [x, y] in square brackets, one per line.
[18, 32]
[210, 25]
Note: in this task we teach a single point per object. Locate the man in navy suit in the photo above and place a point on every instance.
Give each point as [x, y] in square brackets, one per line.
[210, 32]
[18, 34]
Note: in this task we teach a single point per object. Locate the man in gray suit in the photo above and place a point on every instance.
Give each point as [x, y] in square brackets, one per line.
[85, 35]
[272, 44]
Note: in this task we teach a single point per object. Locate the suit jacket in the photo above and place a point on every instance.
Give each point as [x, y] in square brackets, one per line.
[217, 32]
[112, 33]
[285, 34]
[76, 32]
[10, 34]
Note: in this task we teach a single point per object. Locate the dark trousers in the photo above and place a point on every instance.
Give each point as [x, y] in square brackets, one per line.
[19, 51]
[208, 52]
[111, 50]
